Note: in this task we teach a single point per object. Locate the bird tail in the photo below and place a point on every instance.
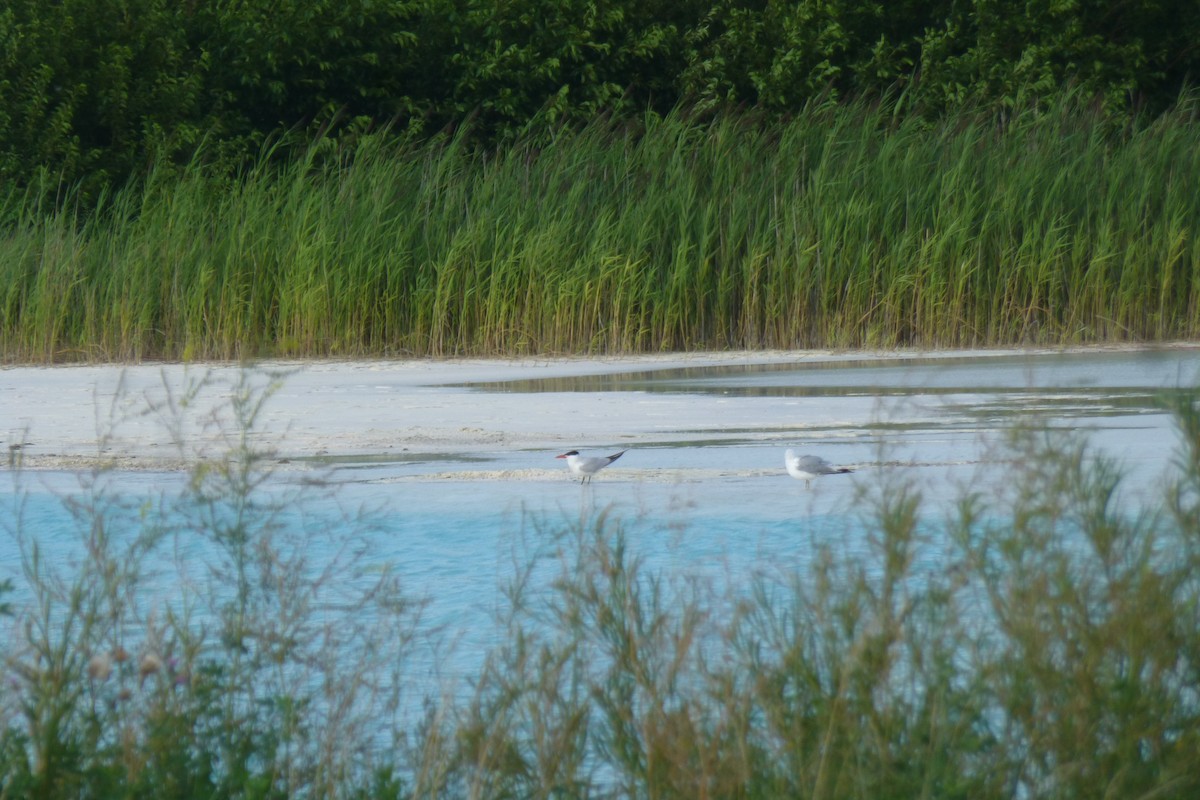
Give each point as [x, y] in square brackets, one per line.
[615, 456]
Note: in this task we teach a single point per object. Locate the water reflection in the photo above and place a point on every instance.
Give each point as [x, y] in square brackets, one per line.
[1131, 379]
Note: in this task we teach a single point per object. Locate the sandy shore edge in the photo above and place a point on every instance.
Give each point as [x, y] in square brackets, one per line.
[162, 416]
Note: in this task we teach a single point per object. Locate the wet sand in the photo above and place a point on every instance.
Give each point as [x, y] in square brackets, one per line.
[166, 416]
[133, 417]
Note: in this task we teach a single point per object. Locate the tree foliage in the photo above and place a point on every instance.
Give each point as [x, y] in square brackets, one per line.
[89, 87]
[91, 90]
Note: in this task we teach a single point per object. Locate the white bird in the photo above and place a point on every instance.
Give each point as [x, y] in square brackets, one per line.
[587, 466]
[806, 468]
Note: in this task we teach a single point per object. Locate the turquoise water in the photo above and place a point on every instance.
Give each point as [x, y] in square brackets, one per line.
[455, 547]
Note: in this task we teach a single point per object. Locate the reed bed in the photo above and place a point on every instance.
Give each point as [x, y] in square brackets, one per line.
[1051, 651]
[847, 226]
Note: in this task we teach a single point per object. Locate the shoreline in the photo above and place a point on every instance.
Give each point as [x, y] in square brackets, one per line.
[135, 416]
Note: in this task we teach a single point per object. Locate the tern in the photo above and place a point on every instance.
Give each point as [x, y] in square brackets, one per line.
[587, 466]
[806, 468]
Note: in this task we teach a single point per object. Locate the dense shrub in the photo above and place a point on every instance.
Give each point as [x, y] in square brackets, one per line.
[1036, 638]
[92, 89]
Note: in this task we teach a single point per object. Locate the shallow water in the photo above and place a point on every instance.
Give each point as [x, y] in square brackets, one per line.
[702, 486]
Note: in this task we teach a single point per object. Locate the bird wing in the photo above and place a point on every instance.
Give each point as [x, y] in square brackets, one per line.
[813, 464]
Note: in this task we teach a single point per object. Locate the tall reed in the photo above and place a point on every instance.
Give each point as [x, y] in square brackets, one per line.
[847, 226]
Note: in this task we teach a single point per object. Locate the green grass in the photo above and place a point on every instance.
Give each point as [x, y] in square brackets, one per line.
[1056, 656]
[847, 226]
